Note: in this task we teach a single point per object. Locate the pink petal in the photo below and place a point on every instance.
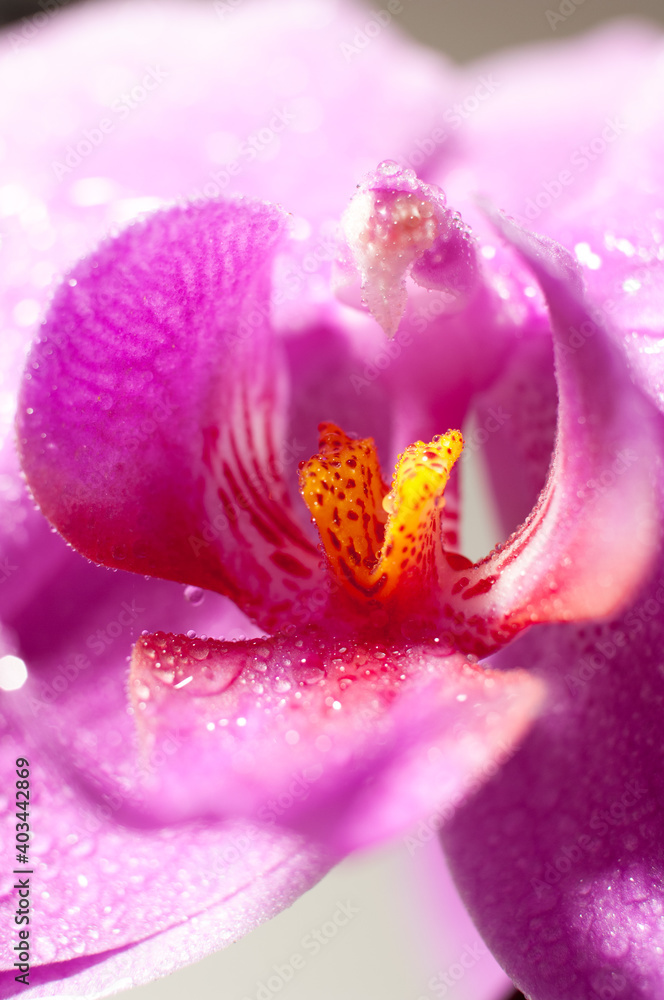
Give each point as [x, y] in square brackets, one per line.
[529, 112]
[74, 716]
[616, 231]
[348, 739]
[149, 422]
[100, 887]
[559, 857]
[256, 103]
[71, 720]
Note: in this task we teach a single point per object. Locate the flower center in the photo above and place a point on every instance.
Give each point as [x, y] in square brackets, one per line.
[379, 542]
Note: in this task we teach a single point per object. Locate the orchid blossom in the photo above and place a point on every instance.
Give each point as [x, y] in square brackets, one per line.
[225, 377]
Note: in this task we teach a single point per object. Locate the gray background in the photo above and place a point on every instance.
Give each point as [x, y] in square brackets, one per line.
[465, 29]
[468, 28]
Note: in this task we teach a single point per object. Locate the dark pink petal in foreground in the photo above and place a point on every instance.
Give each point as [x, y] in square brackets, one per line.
[151, 414]
[349, 739]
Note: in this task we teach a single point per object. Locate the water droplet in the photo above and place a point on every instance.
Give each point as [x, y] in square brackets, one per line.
[281, 685]
[198, 650]
[195, 595]
[311, 674]
[311, 669]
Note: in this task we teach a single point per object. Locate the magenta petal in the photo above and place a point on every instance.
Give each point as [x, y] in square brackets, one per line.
[349, 740]
[595, 531]
[560, 857]
[150, 415]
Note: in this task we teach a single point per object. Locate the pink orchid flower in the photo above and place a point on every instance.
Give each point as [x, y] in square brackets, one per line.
[216, 397]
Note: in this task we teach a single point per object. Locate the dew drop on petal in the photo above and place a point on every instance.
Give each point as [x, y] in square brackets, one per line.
[198, 650]
[195, 595]
[311, 674]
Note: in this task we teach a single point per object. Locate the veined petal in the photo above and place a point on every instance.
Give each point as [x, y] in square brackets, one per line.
[151, 414]
[350, 739]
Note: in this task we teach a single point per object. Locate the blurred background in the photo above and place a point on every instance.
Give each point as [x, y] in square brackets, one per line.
[407, 939]
[465, 29]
